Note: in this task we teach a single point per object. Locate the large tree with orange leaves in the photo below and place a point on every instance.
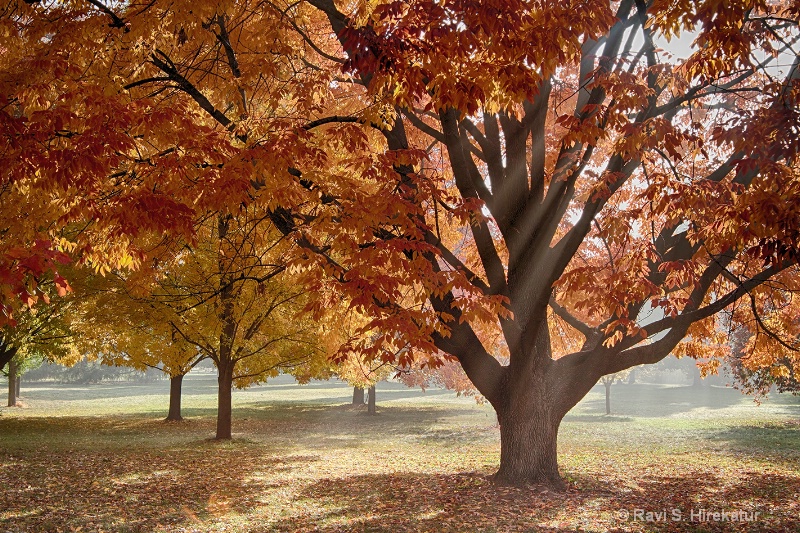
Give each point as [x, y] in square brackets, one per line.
[454, 169]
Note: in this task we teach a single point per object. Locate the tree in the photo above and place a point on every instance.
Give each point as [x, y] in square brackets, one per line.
[226, 298]
[561, 136]
[609, 380]
[41, 334]
[123, 324]
[364, 375]
[476, 166]
[764, 354]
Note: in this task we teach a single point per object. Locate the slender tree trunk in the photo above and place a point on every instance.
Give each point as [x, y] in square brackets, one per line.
[224, 405]
[632, 377]
[6, 354]
[12, 383]
[607, 385]
[371, 405]
[358, 396]
[225, 361]
[175, 383]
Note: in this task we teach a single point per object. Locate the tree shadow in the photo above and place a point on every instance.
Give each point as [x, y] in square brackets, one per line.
[417, 502]
[601, 419]
[139, 492]
[776, 443]
[762, 501]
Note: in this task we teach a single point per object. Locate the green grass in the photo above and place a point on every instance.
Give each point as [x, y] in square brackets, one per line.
[100, 458]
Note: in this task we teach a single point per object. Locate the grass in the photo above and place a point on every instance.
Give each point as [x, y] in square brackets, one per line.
[100, 458]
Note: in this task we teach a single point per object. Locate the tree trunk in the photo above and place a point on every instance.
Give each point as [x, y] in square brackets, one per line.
[225, 361]
[225, 381]
[12, 383]
[607, 385]
[175, 383]
[528, 447]
[358, 396]
[6, 354]
[371, 405]
[532, 398]
[632, 377]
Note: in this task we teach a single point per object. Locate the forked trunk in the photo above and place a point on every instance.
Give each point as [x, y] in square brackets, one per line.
[175, 383]
[534, 395]
[225, 381]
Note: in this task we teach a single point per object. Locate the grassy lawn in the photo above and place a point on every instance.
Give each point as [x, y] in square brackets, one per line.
[100, 458]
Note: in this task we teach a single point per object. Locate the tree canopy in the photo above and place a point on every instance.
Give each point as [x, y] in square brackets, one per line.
[457, 171]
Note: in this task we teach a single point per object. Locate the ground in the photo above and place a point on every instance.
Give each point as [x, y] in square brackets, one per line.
[100, 458]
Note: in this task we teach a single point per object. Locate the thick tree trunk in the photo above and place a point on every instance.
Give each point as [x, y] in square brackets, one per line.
[12, 383]
[371, 405]
[533, 397]
[175, 383]
[224, 406]
[358, 396]
[528, 447]
[608, 397]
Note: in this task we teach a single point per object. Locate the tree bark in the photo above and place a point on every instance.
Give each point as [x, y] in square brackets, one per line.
[225, 361]
[528, 447]
[6, 354]
[607, 385]
[224, 404]
[371, 405]
[175, 383]
[535, 394]
[358, 396]
[12, 383]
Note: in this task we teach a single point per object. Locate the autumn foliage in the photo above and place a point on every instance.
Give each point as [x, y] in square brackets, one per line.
[457, 172]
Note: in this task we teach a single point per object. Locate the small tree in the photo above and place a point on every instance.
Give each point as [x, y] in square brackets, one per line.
[44, 333]
[609, 380]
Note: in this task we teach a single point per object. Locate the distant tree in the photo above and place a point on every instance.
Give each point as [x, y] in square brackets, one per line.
[124, 326]
[43, 333]
[228, 297]
[609, 380]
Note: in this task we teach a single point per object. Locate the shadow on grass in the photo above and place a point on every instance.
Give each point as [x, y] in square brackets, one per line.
[285, 425]
[772, 442]
[603, 419]
[139, 491]
[471, 502]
